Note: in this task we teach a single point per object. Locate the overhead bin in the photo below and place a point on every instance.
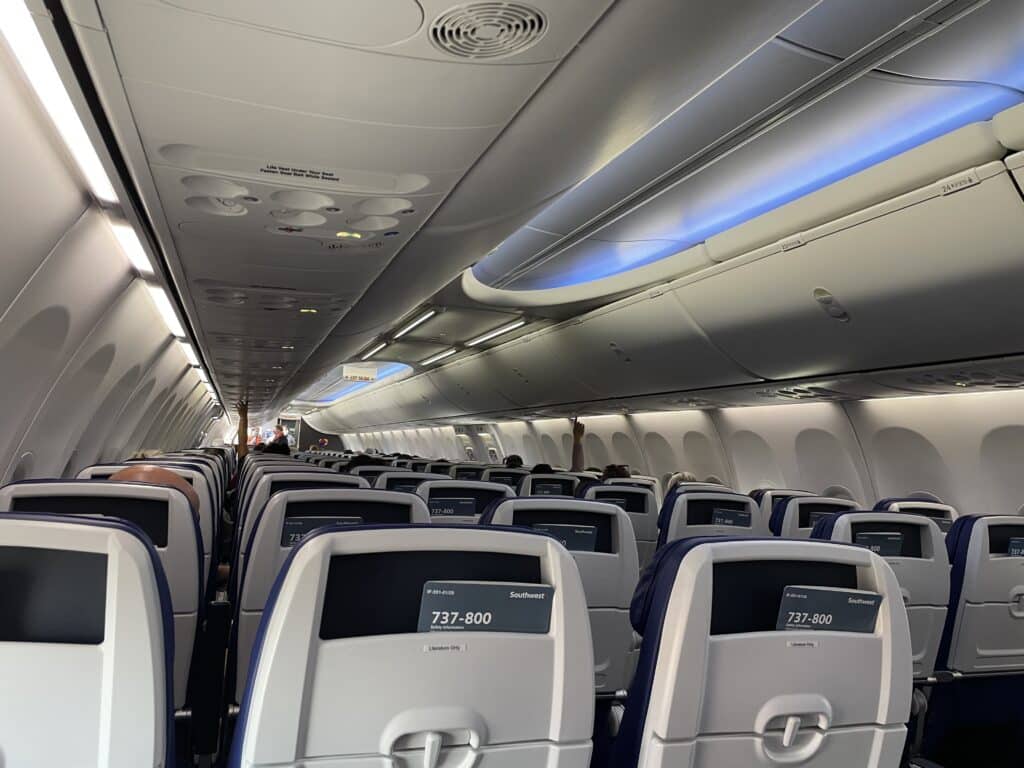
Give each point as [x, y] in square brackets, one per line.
[1015, 163]
[523, 371]
[967, 147]
[470, 386]
[929, 276]
[644, 345]
[1009, 127]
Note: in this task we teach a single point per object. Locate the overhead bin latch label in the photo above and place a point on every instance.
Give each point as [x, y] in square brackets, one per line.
[957, 183]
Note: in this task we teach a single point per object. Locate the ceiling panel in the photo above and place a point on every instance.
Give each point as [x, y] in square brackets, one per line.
[841, 28]
[296, 148]
[984, 45]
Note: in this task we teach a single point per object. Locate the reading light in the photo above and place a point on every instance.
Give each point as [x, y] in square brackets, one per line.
[132, 248]
[345, 233]
[308, 311]
[22, 36]
[439, 356]
[287, 346]
[374, 351]
[416, 323]
[163, 305]
[190, 354]
[496, 333]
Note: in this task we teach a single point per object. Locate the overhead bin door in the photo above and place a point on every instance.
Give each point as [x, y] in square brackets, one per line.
[928, 276]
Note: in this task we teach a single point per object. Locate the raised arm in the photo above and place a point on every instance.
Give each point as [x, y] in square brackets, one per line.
[577, 445]
[242, 407]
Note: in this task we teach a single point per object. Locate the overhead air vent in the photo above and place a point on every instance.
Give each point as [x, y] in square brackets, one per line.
[487, 30]
[973, 378]
[802, 393]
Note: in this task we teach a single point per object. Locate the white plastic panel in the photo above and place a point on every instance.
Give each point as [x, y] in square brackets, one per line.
[40, 199]
[79, 410]
[966, 449]
[52, 317]
[682, 441]
[808, 446]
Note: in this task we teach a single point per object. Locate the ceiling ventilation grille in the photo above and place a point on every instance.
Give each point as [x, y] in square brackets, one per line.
[487, 30]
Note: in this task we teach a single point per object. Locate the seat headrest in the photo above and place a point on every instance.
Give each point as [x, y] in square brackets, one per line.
[884, 504]
[965, 562]
[123, 631]
[668, 507]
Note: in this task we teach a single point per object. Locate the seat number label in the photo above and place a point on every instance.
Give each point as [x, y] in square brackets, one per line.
[477, 606]
[295, 529]
[828, 609]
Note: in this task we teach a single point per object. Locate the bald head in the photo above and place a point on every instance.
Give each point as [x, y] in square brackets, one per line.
[149, 473]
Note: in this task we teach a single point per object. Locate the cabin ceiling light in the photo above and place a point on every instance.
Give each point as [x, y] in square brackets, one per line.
[190, 354]
[373, 351]
[166, 310]
[416, 323]
[202, 376]
[345, 233]
[439, 356]
[496, 333]
[308, 311]
[132, 247]
[19, 29]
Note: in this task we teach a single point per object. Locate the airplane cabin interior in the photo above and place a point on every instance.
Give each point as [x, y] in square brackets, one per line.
[512, 384]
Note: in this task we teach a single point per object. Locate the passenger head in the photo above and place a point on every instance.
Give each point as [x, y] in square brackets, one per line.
[542, 469]
[615, 470]
[677, 478]
[513, 461]
[150, 473]
[363, 460]
[714, 479]
[280, 448]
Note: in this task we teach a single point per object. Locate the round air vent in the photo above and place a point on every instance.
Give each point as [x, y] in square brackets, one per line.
[487, 30]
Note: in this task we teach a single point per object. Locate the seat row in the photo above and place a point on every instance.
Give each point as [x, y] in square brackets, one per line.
[601, 540]
[439, 645]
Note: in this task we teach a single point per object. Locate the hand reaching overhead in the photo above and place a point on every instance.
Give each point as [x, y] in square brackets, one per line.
[578, 429]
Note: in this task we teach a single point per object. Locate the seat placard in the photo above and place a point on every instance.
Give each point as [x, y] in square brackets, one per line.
[463, 506]
[477, 606]
[295, 529]
[881, 543]
[732, 517]
[549, 489]
[1016, 547]
[828, 609]
[575, 538]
